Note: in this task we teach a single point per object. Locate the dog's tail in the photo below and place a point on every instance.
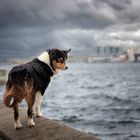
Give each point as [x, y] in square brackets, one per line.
[8, 98]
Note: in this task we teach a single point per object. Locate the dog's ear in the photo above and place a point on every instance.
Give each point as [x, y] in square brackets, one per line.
[67, 51]
[52, 51]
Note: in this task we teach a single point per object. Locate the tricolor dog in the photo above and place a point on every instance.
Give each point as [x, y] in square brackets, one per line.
[29, 81]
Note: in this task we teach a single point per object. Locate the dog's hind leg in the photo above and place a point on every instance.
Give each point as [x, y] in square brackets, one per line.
[30, 103]
[17, 123]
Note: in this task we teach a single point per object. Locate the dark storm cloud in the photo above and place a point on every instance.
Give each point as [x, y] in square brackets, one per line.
[65, 13]
[33, 25]
[118, 5]
[69, 13]
[20, 13]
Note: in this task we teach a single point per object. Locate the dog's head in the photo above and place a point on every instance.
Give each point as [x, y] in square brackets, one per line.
[58, 59]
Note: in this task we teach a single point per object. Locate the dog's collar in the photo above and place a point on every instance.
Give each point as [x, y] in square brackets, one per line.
[44, 57]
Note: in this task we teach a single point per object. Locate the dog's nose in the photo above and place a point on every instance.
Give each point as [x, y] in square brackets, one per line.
[66, 67]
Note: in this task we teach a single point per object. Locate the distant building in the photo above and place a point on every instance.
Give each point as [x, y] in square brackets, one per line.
[109, 51]
[134, 54]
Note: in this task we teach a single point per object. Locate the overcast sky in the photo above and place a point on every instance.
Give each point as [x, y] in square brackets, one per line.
[30, 26]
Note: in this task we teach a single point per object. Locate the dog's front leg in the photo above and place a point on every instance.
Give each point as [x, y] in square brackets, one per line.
[37, 104]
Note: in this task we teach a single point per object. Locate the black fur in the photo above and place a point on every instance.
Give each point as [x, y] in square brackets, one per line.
[35, 70]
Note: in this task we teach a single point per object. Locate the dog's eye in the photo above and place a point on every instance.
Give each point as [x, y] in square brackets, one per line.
[61, 60]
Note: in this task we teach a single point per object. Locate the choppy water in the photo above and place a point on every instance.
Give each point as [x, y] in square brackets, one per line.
[100, 98]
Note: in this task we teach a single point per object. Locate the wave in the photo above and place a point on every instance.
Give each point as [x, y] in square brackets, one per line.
[71, 119]
[117, 135]
[102, 122]
[98, 86]
[117, 99]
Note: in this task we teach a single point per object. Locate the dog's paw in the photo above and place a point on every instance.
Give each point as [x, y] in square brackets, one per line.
[17, 124]
[30, 122]
[39, 114]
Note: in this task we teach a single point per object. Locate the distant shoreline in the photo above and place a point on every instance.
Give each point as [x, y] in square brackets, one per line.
[72, 58]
